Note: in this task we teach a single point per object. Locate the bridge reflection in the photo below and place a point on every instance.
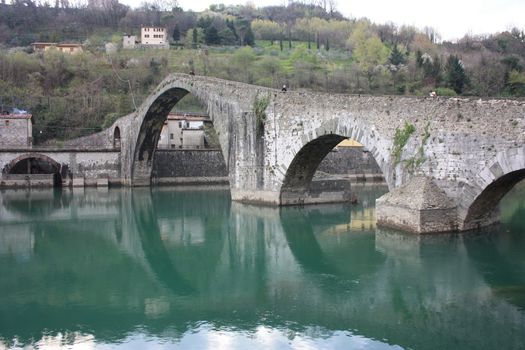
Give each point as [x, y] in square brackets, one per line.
[167, 260]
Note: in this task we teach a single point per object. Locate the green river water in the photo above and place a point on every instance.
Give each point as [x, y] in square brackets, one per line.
[166, 268]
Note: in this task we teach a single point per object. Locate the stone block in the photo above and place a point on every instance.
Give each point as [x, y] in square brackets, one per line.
[102, 182]
[78, 182]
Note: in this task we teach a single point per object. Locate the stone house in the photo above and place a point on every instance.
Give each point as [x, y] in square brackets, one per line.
[16, 130]
[183, 131]
[129, 41]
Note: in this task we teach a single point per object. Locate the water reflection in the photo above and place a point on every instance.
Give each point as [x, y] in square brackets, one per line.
[191, 269]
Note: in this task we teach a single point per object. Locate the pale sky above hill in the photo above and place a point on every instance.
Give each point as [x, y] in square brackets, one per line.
[451, 18]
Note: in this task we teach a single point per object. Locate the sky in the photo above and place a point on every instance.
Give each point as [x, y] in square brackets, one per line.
[451, 18]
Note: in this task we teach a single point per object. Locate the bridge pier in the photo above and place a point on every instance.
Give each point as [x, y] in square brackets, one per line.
[419, 206]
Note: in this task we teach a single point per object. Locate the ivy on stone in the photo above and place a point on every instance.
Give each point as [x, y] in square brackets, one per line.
[401, 137]
[260, 104]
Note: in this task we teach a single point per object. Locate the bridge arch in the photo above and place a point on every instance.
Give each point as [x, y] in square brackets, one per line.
[146, 125]
[479, 204]
[36, 163]
[295, 187]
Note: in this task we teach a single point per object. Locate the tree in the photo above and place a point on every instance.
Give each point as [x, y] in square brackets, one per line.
[396, 57]
[176, 33]
[194, 37]
[455, 74]
[211, 36]
[266, 30]
[516, 83]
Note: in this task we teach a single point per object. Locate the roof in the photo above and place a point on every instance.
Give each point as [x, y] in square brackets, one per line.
[57, 44]
[349, 143]
[16, 116]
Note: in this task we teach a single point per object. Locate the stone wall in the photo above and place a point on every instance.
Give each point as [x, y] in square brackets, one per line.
[15, 131]
[190, 166]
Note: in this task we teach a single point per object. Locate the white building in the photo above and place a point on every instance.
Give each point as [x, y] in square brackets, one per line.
[154, 36]
[183, 131]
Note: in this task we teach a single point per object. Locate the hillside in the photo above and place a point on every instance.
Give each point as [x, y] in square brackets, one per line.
[302, 46]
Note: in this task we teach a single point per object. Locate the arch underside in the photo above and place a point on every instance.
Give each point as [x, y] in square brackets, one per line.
[484, 210]
[296, 188]
[149, 134]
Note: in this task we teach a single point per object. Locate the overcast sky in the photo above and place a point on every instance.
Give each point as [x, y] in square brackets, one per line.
[451, 18]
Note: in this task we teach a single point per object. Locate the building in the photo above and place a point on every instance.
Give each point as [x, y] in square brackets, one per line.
[129, 41]
[65, 48]
[154, 36]
[183, 131]
[16, 130]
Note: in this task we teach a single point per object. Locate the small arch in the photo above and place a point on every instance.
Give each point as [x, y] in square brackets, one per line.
[296, 184]
[295, 188]
[35, 163]
[116, 137]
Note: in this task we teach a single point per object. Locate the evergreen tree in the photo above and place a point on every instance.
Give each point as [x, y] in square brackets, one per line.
[231, 26]
[396, 57]
[309, 44]
[419, 58]
[249, 38]
[455, 74]
[195, 37]
[176, 33]
[212, 36]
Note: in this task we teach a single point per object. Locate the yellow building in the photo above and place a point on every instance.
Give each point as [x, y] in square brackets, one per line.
[64, 48]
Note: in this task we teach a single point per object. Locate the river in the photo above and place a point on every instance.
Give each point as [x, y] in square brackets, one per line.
[170, 268]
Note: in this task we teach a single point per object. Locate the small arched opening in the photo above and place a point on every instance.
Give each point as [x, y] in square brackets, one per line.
[116, 137]
[38, 169]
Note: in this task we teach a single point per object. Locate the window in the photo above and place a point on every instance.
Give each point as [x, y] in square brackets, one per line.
[146, 35]
[7, 123]
[171, 136]
[180, 124]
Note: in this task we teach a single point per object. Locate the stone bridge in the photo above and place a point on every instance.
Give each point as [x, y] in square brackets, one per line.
[447, 161]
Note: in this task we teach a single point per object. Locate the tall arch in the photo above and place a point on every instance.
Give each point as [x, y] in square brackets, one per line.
[479, 203]
[149, 133]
